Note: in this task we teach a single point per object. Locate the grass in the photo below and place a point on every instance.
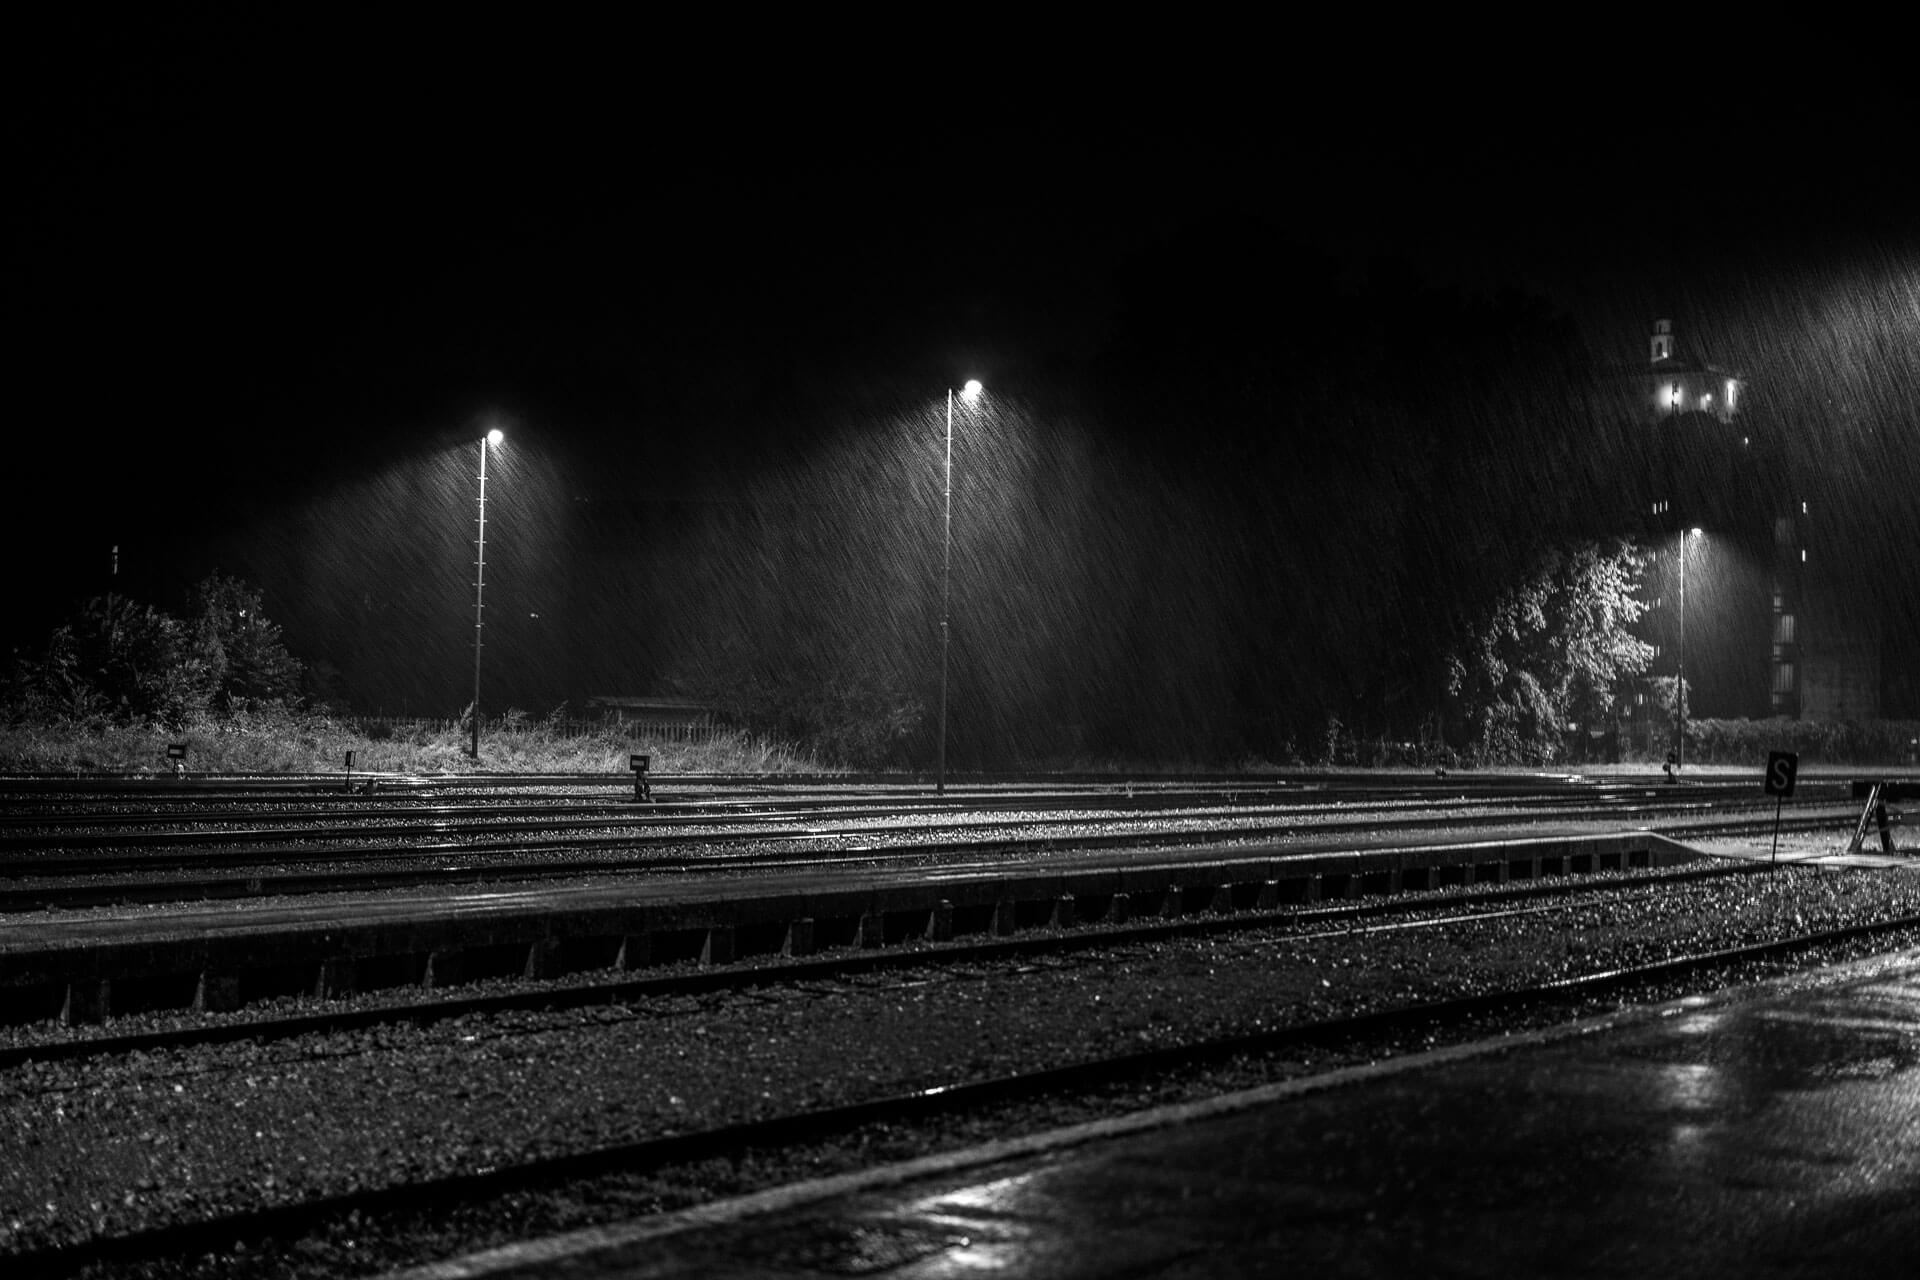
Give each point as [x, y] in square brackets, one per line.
[314, 744]
[284, 743]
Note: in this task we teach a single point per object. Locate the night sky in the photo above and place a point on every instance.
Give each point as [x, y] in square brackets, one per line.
[253, 270]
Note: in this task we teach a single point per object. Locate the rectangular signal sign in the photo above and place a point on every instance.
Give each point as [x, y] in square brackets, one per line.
[1781, 768]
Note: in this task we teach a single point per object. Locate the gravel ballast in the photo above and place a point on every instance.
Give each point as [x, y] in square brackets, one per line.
[124, 1143]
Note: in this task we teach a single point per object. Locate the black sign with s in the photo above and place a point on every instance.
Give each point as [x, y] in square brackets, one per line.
[1781, 768]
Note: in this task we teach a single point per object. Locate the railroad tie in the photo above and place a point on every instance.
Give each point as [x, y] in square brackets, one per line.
[543, 959]
[636, 952]
[334, 978]
[88, 1001]
[216, 992]
[443, 969]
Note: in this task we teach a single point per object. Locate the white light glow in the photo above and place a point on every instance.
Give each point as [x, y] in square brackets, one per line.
[971, 390]
[495, 436]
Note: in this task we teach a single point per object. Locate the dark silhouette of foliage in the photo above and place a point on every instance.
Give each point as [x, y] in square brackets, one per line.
[243, 651]
[128, 663]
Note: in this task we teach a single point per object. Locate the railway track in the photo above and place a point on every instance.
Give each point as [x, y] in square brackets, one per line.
[423, 1205]
[1531, 950]
[151, 830]
[77, 860]
[1414, 911]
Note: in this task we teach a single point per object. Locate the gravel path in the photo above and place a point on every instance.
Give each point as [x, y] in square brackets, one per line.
[134, 1141]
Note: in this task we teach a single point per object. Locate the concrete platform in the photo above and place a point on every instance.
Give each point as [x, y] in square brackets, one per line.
[88, 965]
[1796, 855]
[1764, 1133]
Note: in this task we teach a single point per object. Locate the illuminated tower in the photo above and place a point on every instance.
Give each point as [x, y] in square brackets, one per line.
[1774, 624]
[1662, 341]
[1699, 471]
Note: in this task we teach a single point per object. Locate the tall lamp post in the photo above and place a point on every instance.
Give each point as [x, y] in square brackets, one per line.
[967, 393]
[1680, 664]
[492, 437]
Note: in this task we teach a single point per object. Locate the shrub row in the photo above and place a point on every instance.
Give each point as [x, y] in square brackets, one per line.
[1747, 742]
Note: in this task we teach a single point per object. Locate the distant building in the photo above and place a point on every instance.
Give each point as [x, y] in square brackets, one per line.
[650, 712]
[1762, 622]
[1671, 384]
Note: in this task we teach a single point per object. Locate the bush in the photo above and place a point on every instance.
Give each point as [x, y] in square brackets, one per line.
[118, 661]
[1861, 742]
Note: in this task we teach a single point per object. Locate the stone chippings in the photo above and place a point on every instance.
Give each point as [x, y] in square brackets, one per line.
[135, 1141]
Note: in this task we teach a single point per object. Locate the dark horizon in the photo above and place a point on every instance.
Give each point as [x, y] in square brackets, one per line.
[247, 301]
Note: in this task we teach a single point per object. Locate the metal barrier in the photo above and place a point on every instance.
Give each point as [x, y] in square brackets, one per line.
[1874, 812]
[493, 726]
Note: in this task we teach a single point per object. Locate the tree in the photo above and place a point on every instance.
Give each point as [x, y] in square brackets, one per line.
[133, 663]
[1550, 653]
[242, 650]
[118, 659]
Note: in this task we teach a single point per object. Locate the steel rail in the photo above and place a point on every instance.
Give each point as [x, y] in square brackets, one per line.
[658, 809]
[139, 829]
[20, 830]
[464, 864]
[202, 848]
[722, 791]
[199, 788]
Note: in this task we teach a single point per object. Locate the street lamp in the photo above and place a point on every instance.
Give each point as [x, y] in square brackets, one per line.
[1680, 663]
[492, 437]
[967, 393]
